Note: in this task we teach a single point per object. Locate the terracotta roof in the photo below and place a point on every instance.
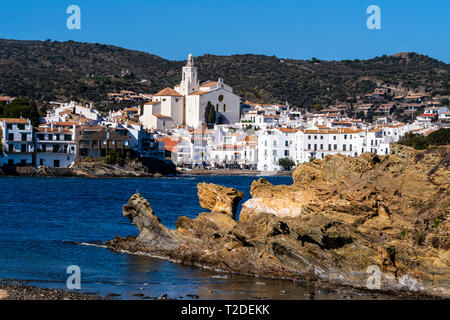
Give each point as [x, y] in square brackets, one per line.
[5, 98]
[161, 116]
[168, 92]
[14, 120]
[332, 131]
[427, 115]
[198, 93]
[287, 130]
[153, 102]
[169, 144]
[209, 84]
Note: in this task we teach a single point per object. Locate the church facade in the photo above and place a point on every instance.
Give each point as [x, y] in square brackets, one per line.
[185, 104]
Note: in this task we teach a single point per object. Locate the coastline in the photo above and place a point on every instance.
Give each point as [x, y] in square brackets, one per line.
[16, 290]
[237, 172]
[118, 172]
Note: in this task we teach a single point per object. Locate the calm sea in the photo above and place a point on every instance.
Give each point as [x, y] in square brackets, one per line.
[44, 223]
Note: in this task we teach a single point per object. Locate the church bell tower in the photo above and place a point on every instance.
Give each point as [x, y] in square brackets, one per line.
[189, 82]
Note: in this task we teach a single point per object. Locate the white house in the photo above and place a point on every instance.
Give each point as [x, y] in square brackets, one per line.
[55, 146]
[16, 142]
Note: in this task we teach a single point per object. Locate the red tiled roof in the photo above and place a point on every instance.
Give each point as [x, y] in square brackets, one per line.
[168, 92]
[209, 84]
[14, 120]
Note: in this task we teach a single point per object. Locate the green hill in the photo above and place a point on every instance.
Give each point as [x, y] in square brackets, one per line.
[53, 70]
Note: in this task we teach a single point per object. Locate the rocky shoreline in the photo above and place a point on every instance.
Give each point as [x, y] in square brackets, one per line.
[15, 290]
[340, 220]
[91, 170]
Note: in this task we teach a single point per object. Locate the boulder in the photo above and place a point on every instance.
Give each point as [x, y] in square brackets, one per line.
[219, 199]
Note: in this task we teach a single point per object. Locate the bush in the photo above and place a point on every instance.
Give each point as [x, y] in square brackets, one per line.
[114, 157]
[419, 142]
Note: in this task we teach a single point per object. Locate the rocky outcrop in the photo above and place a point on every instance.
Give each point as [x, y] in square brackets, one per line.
[341, 219]
[219, 199]
[99, 169]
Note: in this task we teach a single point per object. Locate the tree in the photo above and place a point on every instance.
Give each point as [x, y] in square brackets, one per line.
[21, 108]
[210, 114]
[445, 102]
[286, 163]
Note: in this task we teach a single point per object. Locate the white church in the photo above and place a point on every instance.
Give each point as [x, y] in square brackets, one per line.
[185, 104]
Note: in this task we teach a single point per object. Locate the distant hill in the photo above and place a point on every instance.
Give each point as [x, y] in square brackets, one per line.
[54, 70]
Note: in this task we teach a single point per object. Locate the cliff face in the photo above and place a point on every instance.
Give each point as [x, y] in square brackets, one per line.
[340, 217]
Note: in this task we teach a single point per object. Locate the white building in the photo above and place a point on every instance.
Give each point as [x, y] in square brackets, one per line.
[55, 146]
[63, 112]
[186, 103]
[16, 142]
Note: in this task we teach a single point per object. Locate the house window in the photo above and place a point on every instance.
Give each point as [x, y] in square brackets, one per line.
[41, 162]
[335, 147]
[220, 98]
[321, 137]
[344, 147]
[286, 153]
[315, 137]
[287, 143]
[334, 137]
[21, 126]
[24, 137]
[11, 136]
[10, 148]
[309, 146]
[23, 148]
[56, 163]
[9, 126]
[224, 108]
[351, 148]
[50, 137]
[345, 137]
[321, 147]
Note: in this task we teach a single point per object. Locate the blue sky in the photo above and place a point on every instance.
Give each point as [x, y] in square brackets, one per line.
[298, 29]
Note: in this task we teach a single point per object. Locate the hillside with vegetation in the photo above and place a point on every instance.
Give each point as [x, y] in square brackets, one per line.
[51, 70]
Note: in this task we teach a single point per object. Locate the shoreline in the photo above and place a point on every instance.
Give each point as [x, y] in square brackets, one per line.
[238, 172]
[68, 174]
[17, 290]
